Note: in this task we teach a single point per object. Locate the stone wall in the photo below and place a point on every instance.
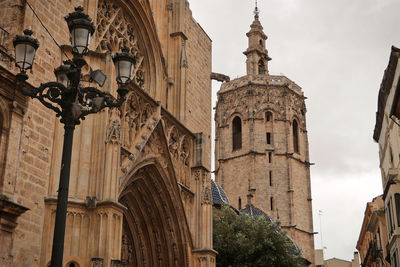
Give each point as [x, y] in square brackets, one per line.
[198, 83]
[34, 144]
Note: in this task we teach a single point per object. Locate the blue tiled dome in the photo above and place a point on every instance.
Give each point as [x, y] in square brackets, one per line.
[218, 194]
[255, 212]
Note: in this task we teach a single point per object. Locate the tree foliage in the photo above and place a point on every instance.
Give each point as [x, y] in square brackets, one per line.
[244, 241]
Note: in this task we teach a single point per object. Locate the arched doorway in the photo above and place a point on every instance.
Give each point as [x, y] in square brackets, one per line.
[154, 224]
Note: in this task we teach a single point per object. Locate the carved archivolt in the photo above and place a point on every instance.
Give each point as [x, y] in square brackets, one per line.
[136, 113]
[113, 31]
[180, 147]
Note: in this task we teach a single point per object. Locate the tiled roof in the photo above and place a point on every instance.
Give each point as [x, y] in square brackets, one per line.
[218, 194]
[255, 212]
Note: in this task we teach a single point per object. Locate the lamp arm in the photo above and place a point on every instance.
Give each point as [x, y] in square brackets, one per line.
[96, 100]
[49, 94]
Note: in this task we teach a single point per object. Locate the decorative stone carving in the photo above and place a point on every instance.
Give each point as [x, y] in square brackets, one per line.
[114, 30]
[97, 262]
[127, 249]
[180, 146]
[136, 114]
[114, 128]
[154, 149]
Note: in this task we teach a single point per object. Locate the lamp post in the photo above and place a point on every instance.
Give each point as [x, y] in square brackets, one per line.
[70, 101]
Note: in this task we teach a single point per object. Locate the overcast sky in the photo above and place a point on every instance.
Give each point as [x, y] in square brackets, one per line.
[337, 51]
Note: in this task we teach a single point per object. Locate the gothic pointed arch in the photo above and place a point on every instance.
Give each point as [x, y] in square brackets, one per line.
[156, 231]
[130, 23]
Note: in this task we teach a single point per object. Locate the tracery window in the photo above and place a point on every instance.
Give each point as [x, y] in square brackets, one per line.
[295, 131]
[237, 133]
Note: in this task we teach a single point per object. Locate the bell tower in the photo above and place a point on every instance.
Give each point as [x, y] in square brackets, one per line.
[261, 144]
[256, 53]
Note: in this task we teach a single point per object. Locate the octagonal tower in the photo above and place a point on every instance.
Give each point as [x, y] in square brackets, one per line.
[262, 145]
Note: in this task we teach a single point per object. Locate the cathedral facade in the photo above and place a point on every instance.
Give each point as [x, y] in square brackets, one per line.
[261, 147]
[140, 181]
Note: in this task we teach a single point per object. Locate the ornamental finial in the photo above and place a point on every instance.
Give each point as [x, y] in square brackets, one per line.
[256, 10]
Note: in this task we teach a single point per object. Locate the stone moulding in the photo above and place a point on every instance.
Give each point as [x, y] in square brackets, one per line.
[9, 212]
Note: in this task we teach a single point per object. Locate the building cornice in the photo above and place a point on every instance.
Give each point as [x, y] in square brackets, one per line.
[384, 90]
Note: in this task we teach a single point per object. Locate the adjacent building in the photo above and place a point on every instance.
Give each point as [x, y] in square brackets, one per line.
[140, 182]
[335, 262]
[373, 236]
[261, 145]
[386, 134]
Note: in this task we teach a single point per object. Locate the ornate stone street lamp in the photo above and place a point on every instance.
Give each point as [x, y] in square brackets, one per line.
[70, 101]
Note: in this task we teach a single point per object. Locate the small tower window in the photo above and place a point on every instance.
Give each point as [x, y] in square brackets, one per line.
[237, 133]
[272, 203]
[268, 138]
[240, 203]
[295, 136]
[268, 116]
[269, 157]
[270, 178]
[261, 43]
[261, 67]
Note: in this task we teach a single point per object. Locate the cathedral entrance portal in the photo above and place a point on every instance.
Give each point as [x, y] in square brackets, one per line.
[152, 232]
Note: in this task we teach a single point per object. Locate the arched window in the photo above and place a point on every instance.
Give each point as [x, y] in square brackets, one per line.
[237, 133]
[261, 43]
[295, 136]
[268, 116]
[261, 67]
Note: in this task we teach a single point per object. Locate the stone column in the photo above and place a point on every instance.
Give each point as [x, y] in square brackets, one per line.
[203, 253]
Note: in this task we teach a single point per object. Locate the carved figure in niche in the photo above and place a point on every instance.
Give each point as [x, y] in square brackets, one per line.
[127, 253]
[173, 142]
[207, 195]
[185, 151]
[114, 128]
[146, 113]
